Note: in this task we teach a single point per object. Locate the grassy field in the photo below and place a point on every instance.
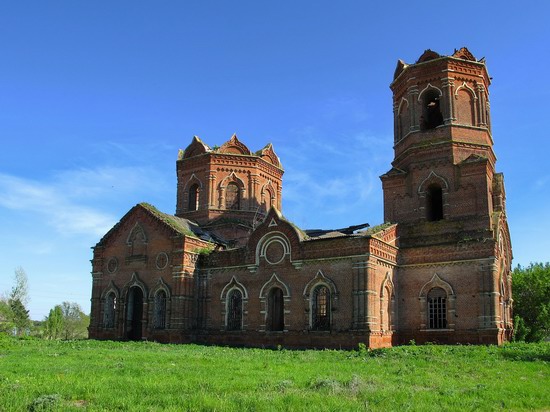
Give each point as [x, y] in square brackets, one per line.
[88, 375]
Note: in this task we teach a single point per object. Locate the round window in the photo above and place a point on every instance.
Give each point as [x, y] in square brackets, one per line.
[162, 260]
[112, 265]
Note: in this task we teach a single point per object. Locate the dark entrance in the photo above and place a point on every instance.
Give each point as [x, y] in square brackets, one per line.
[276, 308]
[134, 313]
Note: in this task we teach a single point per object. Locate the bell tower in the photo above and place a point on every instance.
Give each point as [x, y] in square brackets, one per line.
[449, 202]
[444, 164]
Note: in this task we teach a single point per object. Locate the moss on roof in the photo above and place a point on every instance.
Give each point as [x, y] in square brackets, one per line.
[375, 229]
[180, 225]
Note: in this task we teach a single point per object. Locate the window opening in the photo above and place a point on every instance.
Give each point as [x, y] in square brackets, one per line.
[159, 321]
[235, 310]
[434, 203]
[437, 308]
[321, 308]
[276, 319]
[110, 310]
[232, 197]
[386, 317]
[431, 112]
[193, 198]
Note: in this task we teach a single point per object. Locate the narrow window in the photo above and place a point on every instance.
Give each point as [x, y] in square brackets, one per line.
[232, 197]
[321, 308]
[276, 317]
[437, 308]
[159, 321]
[431, 112]
[235, 310]
[434, 203]
[386, 310]
[193, 198]
[109, 311]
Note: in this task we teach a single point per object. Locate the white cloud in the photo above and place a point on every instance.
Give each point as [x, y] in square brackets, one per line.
[76, 201]
[337, 177]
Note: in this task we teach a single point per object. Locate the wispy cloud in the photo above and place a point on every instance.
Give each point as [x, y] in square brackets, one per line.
[53, 204]
[75, 201]
[335, 176]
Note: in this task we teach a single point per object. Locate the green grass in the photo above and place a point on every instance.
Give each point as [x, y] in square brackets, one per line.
[89, 375]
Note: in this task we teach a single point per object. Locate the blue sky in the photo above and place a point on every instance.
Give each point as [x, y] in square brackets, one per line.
[96, 98]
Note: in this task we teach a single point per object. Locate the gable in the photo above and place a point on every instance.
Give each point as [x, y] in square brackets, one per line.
[147, 217]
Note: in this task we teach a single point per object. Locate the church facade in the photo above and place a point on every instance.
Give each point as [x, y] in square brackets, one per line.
[227, 268]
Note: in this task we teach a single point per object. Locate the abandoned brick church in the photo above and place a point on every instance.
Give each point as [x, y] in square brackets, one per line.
[229, 269]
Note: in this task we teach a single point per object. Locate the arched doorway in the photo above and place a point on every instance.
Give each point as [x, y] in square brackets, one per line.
[134, 313]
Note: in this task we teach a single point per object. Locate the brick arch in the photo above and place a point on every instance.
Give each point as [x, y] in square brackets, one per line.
[111, 288]
[271, 239]
[136, 230]
[193, 179]
[274, 281]
[387, 304]
[134, 282]
[109, 316]
[164, 312]
[231, 178]
[403, 119]
[268, 188]
[319, 280]
[160, 285]
[222, 187]
[232, 285]
[466, 103]
[428, 88]
[424, 195]
[430, 107]
[437, 282]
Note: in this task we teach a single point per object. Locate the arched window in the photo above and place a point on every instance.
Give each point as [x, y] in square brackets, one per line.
[434, 203]
[320, 308]
[386, 309]
[193, 198]
[269, 200]
[403, 120]
[437, 309]
[465, 107]
[232, 197]
[431, 112]
[235, 310]
[109, 311]
[275, 311]
[159, 319]
[138, 242]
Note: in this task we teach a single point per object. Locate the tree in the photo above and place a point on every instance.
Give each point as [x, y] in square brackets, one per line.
[20, 316]
[531, 292]
[14, 316]
[20, 291]
[75, 321]
[53, 324]
[6, 317]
